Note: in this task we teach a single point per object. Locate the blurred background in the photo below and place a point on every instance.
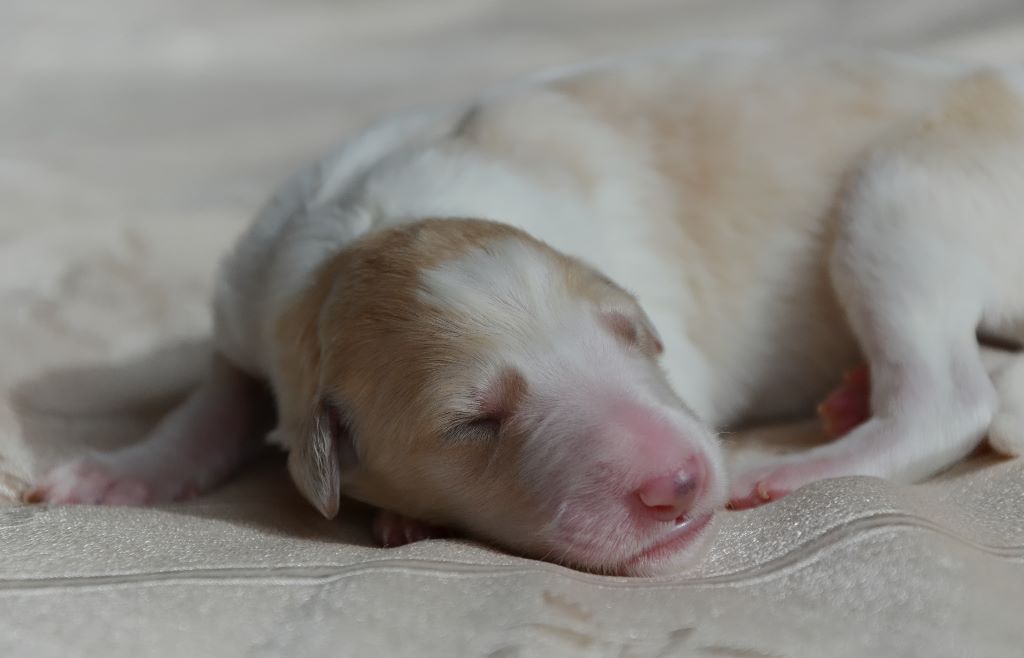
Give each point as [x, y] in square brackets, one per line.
[187, 109]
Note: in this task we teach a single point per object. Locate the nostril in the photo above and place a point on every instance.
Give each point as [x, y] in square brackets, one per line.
[668, 491]
[669, 497]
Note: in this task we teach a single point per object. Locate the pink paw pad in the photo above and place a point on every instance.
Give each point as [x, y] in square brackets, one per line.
[849, 405]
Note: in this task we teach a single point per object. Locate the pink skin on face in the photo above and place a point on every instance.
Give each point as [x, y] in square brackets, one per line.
[669, 497]
[683, 535]
[675, 479]
[645, 483]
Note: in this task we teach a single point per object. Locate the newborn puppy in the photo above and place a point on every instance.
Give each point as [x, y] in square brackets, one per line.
[524, 317]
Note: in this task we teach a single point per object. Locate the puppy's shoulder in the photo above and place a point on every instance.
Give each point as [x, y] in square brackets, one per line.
[311, 216]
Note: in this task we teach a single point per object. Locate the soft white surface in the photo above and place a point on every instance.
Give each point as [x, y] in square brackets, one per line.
[136, 137]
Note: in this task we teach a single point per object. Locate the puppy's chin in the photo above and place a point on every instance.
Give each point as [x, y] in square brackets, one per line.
[678, 551]
[674, 552]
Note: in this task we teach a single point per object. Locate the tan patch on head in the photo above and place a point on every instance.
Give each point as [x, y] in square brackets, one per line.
[369, 287]
[364, 335]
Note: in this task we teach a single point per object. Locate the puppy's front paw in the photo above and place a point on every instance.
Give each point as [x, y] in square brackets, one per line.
[779, 477]
[390, 530]
[90, 481]
[846, 408]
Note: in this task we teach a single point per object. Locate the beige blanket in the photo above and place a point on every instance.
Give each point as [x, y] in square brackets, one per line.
[136, 136]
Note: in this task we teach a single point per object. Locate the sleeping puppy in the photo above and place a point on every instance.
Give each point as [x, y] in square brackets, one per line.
[525, 317]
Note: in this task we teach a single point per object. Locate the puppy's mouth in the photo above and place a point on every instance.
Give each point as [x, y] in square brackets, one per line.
[682, 536]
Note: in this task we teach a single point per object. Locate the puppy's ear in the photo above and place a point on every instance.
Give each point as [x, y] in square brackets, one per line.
[651, 339]
[322, 452]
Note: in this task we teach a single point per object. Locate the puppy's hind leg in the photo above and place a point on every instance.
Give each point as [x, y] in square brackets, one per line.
[192, 449]
[849, 404]
[916, 280]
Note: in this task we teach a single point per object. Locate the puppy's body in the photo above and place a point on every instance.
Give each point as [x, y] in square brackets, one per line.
[778, 217]
[705, 182]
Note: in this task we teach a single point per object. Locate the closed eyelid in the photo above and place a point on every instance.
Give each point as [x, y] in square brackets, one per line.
[493, 406]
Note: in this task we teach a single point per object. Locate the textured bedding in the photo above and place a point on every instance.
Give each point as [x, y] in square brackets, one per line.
[136, 137]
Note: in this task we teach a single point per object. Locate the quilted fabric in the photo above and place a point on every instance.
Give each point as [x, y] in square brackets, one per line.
[137, 137]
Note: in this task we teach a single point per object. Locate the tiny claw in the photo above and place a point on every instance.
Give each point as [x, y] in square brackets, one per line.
[761, 494]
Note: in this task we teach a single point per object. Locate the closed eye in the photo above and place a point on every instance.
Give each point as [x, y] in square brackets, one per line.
[494, 406]
[480, 428]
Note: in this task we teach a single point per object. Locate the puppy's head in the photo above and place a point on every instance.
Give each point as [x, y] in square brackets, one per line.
[464, 374]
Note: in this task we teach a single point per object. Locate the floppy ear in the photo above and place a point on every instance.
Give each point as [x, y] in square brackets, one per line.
[320, 453]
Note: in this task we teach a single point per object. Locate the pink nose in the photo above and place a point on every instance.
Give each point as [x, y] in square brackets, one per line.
[670, 497]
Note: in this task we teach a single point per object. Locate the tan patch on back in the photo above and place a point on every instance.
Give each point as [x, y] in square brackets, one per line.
[981, 104]
[751, 166]
[747, 161]
[515, 130]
